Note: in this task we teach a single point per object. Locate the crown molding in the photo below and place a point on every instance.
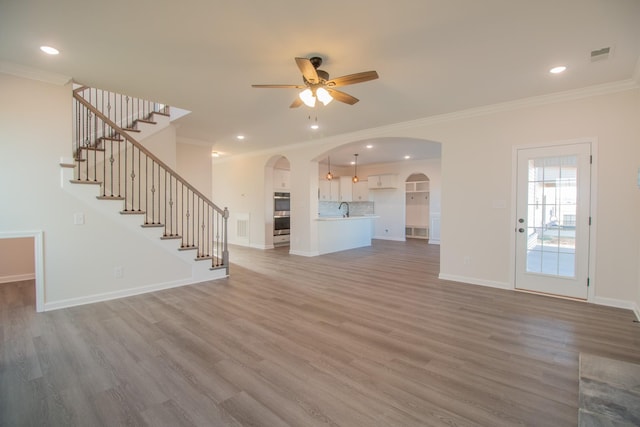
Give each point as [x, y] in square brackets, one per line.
[33, 73]
[402, 127]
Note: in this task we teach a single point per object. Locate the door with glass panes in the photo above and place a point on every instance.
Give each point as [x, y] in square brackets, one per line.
[553, 219]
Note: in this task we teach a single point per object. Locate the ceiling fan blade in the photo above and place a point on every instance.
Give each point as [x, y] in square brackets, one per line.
[308, 70]
[280, 86]
[296, 103]
[342, 97]
[350, 79]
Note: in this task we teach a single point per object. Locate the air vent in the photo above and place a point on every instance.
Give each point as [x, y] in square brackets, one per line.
[600, 54]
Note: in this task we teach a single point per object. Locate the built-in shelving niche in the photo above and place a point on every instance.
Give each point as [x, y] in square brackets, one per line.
[417, 206]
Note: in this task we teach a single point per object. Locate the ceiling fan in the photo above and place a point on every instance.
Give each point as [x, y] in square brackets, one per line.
[317, 84]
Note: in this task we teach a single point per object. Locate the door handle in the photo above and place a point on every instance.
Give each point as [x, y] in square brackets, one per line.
[521, 230]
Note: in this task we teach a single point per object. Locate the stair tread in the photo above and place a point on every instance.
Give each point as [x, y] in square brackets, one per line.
[187, 248]
[84, 181]
[151, 122]
[175, 237]
[109, 197]
[152, 225]
[161, 113]
[132, 212]
[131, 130]
[92, 148]
[110, 138]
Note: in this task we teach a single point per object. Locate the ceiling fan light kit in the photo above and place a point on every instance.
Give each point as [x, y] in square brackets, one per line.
[317, 85]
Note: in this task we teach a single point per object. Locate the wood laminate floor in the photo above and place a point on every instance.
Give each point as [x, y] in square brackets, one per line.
[367, 337]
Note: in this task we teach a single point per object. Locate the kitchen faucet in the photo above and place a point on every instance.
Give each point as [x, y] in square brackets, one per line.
[340, 208]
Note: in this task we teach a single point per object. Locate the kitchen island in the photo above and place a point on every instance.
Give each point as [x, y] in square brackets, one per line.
[337, 233]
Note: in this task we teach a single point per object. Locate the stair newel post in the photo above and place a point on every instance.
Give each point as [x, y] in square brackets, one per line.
[119, 168]
[201, 239]
[126, 172]
[153, 192]
[209, 234]
[194, 220]
[185, 231]
[166, 220]
[182, 217]
[171, 214]
[225, 250]
[111, 167]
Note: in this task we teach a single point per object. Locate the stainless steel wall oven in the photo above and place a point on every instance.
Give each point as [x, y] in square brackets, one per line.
[281, 218]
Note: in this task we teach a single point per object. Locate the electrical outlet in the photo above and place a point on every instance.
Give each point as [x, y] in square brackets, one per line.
[78, 218]
[118, 272]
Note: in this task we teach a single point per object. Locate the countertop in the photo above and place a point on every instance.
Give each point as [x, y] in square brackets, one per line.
[350, 218]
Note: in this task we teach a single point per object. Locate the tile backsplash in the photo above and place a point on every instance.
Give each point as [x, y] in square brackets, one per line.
[355, 208]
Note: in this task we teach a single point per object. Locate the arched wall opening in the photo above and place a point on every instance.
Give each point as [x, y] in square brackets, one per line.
[394, 158]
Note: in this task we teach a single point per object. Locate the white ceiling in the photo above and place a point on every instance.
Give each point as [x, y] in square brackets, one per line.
[433, 57]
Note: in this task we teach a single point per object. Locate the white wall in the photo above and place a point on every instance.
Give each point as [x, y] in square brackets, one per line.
[194, 165]
[79, 261]
[162, 144]
[476, 182]
[17, 259]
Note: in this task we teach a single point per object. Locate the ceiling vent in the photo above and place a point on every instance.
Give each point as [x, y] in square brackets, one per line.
[600, 54]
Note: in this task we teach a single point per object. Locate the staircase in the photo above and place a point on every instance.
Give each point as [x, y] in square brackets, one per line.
[106, 154]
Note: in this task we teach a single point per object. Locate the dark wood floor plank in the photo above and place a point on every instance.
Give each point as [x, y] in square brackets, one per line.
[365, 337]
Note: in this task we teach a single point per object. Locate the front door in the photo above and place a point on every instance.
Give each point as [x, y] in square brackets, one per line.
[553, 219]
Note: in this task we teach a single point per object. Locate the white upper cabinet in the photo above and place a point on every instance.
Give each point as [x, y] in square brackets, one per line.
[377, 182]
[361, 191]
[329, 191]
[281, 179]
[346, 189]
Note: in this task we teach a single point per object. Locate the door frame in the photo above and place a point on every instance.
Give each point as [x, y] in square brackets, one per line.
[513, 222]
[38, 253]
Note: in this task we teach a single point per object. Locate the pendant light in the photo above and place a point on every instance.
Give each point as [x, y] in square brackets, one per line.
[355, 169]
[329, 176]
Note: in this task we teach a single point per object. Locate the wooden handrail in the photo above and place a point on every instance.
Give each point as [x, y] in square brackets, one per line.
[149, 154]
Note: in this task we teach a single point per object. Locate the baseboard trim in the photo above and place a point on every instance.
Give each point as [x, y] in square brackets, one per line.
[394, 239]
[618, 303]
[610, 302]
[303, 253]
[108, 296]
[474, 281]
[17, 278]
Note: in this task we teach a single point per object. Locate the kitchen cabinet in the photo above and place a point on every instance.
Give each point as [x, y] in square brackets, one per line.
[361, 191]
[329, 190]
[281, 179]
[346, 189]
[379, 182]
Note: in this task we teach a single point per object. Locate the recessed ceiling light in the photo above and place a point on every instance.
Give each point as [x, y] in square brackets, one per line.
[407, 157]
[240, 137]
[215, 154]
[352, 162]
[314, 126]
[558, 70]
[369, 146]
[49, 50]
